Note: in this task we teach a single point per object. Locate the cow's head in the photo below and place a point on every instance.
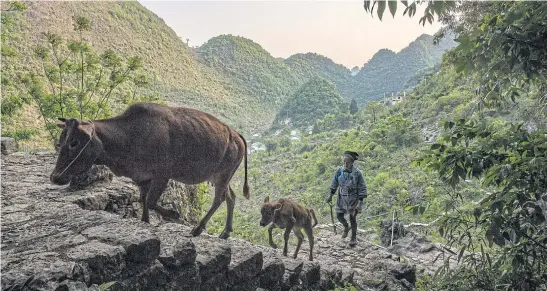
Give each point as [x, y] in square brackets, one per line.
[267, 211]
[78, 147]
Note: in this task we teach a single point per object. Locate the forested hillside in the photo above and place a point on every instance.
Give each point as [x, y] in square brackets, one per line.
[388, 72]
[309, 65]
[313, 100]
[229, 76]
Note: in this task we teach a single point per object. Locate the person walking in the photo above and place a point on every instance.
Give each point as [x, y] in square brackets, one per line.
[352, 189]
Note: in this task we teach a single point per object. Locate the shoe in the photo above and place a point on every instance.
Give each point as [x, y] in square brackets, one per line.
[346, 231]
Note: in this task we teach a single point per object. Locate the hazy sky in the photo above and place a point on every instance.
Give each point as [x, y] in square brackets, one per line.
[338, 29]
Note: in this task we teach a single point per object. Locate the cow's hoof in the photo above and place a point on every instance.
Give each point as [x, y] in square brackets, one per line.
[196, 231]
[224, 235]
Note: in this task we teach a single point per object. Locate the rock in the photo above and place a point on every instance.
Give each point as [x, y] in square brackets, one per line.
[9, 145]
[140, 244]
[347, 275]
[272, 273]
[310, 275]
[72, 286]
[244, 268]
[177, 249]
[97, 173]
[398, 231]
[291, 276]
[212, 260]
[105, 261]
[143, 276]
[184, 278]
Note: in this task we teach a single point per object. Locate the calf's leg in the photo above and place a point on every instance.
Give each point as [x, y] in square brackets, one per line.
[286, 238]
[270, 239]
[298, 232]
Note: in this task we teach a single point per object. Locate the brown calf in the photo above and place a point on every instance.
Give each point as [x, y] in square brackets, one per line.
[289, 215]
[151, 143]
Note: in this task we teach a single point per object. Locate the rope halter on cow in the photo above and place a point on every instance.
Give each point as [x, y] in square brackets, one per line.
[82, 150]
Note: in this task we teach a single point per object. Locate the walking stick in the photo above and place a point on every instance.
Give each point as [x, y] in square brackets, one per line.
[332, 218]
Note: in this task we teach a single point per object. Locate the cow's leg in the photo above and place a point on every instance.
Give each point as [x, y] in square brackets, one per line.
[309, 232]
[221, 190]
[144, 188]
[230, 203]
[156, 189]
[300, 236]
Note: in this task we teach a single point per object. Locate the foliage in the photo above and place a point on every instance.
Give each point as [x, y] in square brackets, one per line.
[514, 163]
[251, 68]
[353, 107]
[11, 100]
[507, 50]
[80, 83]
[389, 72]
[313, 100]
[502, 48]
[310, 65]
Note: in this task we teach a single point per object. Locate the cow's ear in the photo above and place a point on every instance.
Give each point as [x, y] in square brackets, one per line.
[61, 125]
[267, 199]
[86, 127]
[61, 119]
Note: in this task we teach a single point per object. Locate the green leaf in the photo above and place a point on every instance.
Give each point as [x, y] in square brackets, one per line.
[367, 5]
[489, 237]
[461, 254]
[392, 7]
[405, 3]
[381, 8]
[107, 285]
[422, 209]
[438, 7]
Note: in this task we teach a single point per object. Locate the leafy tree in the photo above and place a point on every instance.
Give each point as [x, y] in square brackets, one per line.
[75, 82]
[313, 100]
[353, 107]
[373, 111]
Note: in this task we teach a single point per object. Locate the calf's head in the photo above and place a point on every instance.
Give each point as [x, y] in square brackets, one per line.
[78, 147]
[267, 211]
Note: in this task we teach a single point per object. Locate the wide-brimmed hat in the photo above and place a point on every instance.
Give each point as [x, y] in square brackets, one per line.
[351, 154]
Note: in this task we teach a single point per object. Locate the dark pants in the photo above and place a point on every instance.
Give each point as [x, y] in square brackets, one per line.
[352, 220]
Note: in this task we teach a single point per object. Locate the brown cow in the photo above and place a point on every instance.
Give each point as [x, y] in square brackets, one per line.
[287, 214]
[152, 143]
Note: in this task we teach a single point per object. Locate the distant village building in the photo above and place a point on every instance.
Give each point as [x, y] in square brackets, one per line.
[394, 98]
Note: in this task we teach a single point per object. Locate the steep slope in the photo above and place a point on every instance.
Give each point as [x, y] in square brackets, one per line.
[126, 27]
[309, 65]
[313, 100]
[249, 68]
[131, 30]
[388, 71]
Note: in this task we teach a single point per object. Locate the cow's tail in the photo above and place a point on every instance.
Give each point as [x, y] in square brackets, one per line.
[246, 191]
[312, 214]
